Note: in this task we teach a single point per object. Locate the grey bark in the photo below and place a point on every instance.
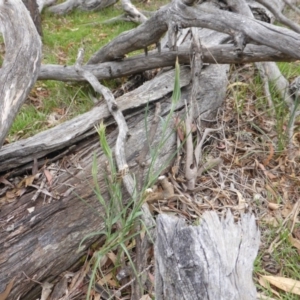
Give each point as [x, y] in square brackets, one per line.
[86, 5]
[19, 156]
[46, 242]
[43, 3]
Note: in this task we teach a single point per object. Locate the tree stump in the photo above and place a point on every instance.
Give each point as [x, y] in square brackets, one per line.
[211, 261]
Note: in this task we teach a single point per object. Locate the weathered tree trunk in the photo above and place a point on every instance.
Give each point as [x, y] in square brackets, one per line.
[33, 8]
[211, 261]
[21, 63]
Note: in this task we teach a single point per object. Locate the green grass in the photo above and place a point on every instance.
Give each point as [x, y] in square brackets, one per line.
[285, 257]
[123, 220]
[64, 35]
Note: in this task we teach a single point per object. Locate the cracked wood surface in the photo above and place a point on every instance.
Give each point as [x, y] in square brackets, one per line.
[211, 261]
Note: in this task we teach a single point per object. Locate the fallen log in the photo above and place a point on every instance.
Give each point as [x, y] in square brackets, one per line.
[73, 131]
[44, 242]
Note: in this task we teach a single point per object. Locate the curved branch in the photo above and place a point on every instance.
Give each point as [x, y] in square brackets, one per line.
[22, 60]
[113, 108]
[146, 34]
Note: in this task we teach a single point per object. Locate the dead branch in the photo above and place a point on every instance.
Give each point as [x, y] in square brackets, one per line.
[150, 32]
[86, 5]
[220, 54]
[119, 118]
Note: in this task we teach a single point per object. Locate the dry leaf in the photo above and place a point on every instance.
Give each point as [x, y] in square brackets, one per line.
[48, 176]
[97, 297]
[112, 257]
[20, 192]
[108, 279]
[26, 181]
[266, 172]
[273, 206]
[7, 290]
[296, 233]
[29, 180]
[264, 283]
[270, 220]
[60, 111]
[242, 202]
[294, 242]
[286, 284]
[103, 35]
[287, 209]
